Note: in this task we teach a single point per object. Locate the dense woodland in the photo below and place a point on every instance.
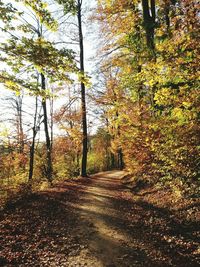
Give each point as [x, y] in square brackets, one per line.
[143, 92]
[99, 133]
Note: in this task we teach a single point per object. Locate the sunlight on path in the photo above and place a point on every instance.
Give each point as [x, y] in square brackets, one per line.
[108, 244]
[94, 222]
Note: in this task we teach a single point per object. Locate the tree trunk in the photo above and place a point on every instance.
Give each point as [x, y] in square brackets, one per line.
[32, 148]
[120, 159]
[167, 18]
[17, 103]
[49, 169]
[32, 155]
[149, 21]
[113, 164]
[83, 100]
[51, 117]
[120, 151]
[21, 131]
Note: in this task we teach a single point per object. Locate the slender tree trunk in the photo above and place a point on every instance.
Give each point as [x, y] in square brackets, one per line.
[120, 159]
[51, 115]
[49, 169]
[83, 100]
[17, 104]
[32, 155]
[113, 164]
[120, 151]
[21, 131]
[32, 148]
[140, 98]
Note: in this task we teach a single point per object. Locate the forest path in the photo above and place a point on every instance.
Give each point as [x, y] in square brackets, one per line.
[94, 222]
[108, 242]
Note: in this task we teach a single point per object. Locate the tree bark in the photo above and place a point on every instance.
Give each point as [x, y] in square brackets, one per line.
[49, 169]
[32, 155]
[17, 105]
[120, 159]
[167, 18]
[21, 131]
[83, 98]
[32, 148]
[149, 21]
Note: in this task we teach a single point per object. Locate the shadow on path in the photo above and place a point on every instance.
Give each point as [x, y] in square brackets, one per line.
[93, 222]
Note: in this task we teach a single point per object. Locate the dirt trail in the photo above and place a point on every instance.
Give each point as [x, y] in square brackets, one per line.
[122, 230]
[107, 244]
[95, 222]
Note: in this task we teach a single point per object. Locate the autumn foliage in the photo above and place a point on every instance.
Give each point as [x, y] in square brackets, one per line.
[153, 89]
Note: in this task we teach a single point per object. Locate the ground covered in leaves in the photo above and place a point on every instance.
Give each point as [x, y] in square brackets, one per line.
[98, 222]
